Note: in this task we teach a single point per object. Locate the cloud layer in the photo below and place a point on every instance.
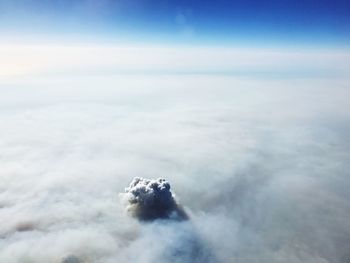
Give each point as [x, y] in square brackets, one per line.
[260, 165]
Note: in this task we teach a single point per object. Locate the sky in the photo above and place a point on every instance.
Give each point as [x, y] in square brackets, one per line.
[242, 107]
[321, 22]
[275, 38]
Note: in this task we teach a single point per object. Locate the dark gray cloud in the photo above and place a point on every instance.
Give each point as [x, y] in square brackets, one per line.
[152, 199]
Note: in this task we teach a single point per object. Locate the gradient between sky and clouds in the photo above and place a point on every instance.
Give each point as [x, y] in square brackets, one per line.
[321, 22]
[277, 38]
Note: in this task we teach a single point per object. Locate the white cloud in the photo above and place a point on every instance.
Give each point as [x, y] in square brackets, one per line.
[259, 163]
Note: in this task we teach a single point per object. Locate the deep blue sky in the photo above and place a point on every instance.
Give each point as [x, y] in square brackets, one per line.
[260, 21]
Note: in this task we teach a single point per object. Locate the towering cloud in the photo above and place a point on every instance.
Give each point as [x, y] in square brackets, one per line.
[152, 199]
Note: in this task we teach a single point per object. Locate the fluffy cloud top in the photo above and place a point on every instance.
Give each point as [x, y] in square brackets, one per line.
[152, 199]
[260, 165]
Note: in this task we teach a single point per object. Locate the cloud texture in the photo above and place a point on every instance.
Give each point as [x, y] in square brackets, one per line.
[151, 199]
[260, 165]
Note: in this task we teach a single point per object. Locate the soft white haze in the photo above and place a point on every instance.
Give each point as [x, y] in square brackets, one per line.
[255, 144]
[42, 59]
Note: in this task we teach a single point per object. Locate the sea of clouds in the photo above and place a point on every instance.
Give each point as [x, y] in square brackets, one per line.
[260, 165]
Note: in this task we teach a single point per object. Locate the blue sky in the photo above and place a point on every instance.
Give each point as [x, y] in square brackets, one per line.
[321, 22]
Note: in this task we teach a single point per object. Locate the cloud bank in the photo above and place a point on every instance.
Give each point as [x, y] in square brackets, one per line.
[260, 165]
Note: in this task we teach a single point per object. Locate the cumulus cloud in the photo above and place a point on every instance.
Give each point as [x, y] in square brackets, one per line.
[152, 199]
